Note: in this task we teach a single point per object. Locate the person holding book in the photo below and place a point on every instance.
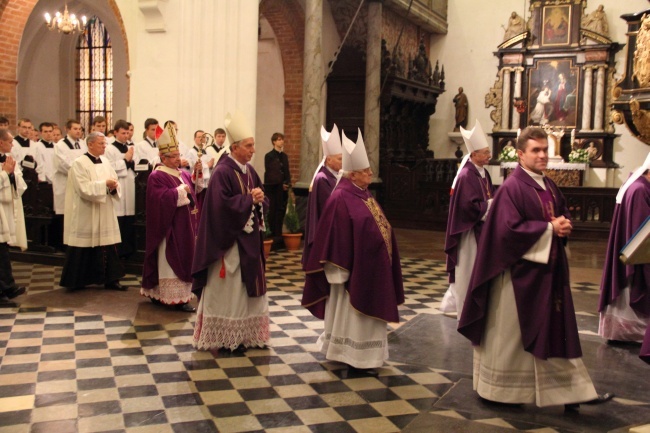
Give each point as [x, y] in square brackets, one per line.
[625, 289]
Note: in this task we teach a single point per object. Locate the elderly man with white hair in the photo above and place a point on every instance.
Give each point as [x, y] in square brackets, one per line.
[353, 274]
[229, 262]
[90, 228]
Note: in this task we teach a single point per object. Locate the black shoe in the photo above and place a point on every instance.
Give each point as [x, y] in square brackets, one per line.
[3, 298]
[602, 398]
[362, 372]
[13, 293]
[185, 307]
[572, 407]
[115, 285]
[240, 349]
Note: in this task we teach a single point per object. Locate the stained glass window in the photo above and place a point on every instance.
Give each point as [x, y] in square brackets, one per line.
[95, 74]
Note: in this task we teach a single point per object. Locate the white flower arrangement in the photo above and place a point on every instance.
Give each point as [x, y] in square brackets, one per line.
[579, 155]
[508, 154]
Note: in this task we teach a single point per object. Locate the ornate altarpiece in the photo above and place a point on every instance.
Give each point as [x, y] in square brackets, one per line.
[559, 75]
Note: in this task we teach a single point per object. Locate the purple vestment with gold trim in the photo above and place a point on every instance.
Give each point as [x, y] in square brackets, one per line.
[519, 216]
[353, 234]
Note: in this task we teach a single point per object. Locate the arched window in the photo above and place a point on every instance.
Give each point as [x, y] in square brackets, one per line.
[95, 74]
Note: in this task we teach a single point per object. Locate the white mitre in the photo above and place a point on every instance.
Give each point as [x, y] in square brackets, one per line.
[331, 141]
[354, 154]
[475, 138]
[637, 174]
[237, 127]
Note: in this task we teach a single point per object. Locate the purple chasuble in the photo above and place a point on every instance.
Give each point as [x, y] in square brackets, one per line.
[628, 217]
[467, 205]
[353, 234]
[321, 189]
[226, 210]
[520, 214]
[165, 220]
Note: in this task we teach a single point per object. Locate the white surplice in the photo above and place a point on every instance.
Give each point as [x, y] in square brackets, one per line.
[349, 336]
[227, 316]
[90, 219]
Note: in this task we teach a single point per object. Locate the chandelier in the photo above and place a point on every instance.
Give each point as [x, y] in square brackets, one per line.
[65, 23]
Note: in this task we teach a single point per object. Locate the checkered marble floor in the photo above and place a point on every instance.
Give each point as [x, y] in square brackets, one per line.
[69, 371]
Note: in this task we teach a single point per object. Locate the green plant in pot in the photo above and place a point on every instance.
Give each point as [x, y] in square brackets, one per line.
[292, 223]
[268, 237]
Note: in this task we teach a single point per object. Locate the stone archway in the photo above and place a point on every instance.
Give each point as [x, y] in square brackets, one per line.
[287, 19]
[14, 21]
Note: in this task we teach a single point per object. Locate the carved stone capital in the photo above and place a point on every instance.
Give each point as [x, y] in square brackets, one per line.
[153, 18]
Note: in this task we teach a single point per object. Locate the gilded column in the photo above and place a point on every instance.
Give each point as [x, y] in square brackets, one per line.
[516, 94]
[600, 99]
[505, 99]
[373, 84]
[586, 98]
[311, 90]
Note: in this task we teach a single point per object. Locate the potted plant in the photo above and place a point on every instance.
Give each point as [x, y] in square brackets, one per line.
[268, 238]
[292, 223]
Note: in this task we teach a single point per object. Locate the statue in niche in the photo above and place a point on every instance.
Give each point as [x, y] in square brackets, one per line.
[516, 26]
[592, 151]
[596, 21]
[461, 104]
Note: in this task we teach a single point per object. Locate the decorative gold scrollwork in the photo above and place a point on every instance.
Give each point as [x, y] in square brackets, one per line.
[617, 117]
[641, 120]
[641, 65]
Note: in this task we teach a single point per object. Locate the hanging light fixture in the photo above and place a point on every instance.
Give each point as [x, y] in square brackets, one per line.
[64, 22]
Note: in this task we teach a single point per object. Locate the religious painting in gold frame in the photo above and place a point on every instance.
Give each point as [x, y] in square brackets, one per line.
[553, 93]
[556, 25]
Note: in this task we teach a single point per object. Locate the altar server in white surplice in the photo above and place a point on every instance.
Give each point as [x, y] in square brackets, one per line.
[120, 155]
[91, 230]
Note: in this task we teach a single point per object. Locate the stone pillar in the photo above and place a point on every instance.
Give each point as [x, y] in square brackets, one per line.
[373, 84]
[516, 94]
[198, 44]
[600, 99]
[505, 99]
[311, 90]
[586, 98]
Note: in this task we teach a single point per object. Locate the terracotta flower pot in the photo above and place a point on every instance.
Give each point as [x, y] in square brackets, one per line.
[292, 241]
[268, 243]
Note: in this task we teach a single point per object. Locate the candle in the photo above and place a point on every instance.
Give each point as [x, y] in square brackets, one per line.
[518, 133]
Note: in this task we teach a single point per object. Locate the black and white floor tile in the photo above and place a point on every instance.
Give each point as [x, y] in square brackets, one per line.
[71, 370]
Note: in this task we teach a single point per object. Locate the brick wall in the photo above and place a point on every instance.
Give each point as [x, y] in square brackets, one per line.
[13, 18]
[287, 19]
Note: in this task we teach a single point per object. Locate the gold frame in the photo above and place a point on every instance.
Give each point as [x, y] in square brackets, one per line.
[549, 13]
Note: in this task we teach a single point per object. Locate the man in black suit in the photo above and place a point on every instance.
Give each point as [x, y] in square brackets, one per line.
[277, 181]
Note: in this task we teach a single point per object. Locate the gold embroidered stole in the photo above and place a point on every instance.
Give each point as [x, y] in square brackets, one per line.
[382, 224]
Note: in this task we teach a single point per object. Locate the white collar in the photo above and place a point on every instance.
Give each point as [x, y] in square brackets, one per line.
[242, 167]
[335, 173]
[481, 170]
[539, 178]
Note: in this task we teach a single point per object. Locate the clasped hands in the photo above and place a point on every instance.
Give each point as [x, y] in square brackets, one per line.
[9, 165]
[258, 195]
[561, 226]
[111, 184]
